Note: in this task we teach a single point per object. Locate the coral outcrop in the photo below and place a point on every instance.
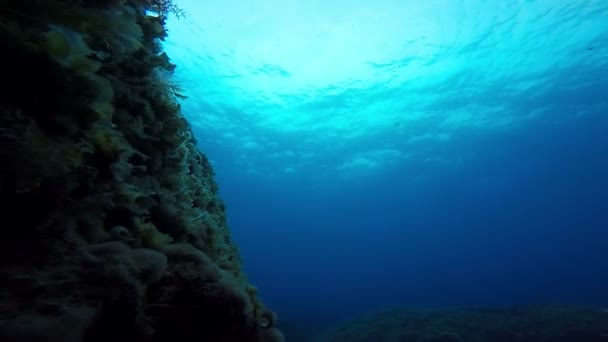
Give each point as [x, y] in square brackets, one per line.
[112, 225]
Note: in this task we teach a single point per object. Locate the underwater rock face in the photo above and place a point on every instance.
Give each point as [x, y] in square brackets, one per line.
[113, 228]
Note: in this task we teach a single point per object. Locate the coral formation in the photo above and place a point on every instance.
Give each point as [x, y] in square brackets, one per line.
[114, 230]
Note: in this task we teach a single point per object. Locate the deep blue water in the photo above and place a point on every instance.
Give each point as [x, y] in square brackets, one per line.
[439, 154]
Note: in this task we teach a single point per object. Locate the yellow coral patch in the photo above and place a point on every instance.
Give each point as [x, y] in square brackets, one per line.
[151, 237]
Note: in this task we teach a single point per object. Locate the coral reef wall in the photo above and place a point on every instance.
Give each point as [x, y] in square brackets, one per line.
[112, 225]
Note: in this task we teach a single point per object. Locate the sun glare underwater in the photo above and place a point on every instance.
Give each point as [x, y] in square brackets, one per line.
[376, 154]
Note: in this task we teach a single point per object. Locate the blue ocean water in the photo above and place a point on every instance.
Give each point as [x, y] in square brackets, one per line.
[405, 153]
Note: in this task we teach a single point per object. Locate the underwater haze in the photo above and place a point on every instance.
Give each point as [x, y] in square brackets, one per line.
[387, 153]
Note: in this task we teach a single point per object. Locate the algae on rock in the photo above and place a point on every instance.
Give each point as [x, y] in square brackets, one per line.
[113, 225]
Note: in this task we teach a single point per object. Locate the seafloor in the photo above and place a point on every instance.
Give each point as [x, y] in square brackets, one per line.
[505, 324]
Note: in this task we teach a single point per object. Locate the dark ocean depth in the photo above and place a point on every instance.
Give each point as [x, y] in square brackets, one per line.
[405, 154]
